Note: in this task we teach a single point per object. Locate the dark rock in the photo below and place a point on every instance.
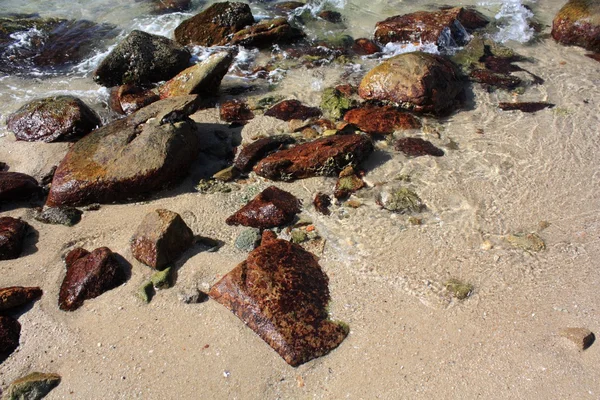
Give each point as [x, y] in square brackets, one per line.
[168, 6]
[213, 25]
[12, 235]
[582, 337]
[322, 157]
[415, 147]
[381, 120]
[419, 81]
[494, 79]
[292, 109]
[594, 56]
[265, 34]
[527, 107]
[281, 293]
[161, 238]
[288, 6]
[202, 78]
[67, 216]
[129, 157]
[142, 58]
[235, 111]
[53, 44]
[256, 151]
[16, 296]
[88, 277]
[34, 386]
[322, 203]
[446, 28]
[331, 16]
[53, 118]
[127, 99]
[365, 47]
[17, 186]
[578, 24]
[271, 208]
[10, 331]
[348, 183]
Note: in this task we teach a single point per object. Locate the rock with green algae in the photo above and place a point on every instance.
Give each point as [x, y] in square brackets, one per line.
[402, 200]
[335, 103]
[248, 239]
[299, 236]
[459, 289]
[527, 241]
[32, 387]
[162, 279]
[145, 292]
[211, 186]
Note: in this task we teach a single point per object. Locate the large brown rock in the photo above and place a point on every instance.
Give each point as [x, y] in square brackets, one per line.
[271, 208]
[142, 58]
[10, 331]
[53, 118]
[578, 24]
[161, 238]
[418, 81]
[17, 186]
[16, 296]
[292, 109]
[446, 28]
[212, 26]
[382, 120]
[282, 293]
[322, 157]
[256, 151]
[12, 235]
[88, 276]
[136, 155]
[265, 34]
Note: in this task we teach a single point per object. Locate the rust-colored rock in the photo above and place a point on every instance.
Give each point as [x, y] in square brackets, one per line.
[446, 28]
[365, 47]
[265, 34]
[578, 24]
[322, 203]
[418, 81]
[495, 79]
[292, 109]
[161, 238]
[53, 118]
[10, 331]
[17, 186]
[322, 157]
[271, 208]
[382, 120]
[415, 147]
[16, 296]
[211, 26]
[528, 107]
[594, 56]
[88, 277]
[12, 235]
[281, 293]
[127, 99]
[256, 151]
[235, 111]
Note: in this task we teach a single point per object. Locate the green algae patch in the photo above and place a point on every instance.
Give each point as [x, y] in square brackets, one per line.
[335, 103]
[162, 279]
[527, 241]
[402, 200]
[459, 290]
[145, 292]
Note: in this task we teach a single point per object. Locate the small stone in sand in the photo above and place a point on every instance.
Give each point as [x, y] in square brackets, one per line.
[526, 241]
[582, 337]
[458, 289]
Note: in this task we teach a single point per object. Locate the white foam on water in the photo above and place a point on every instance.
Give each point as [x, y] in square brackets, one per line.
[394, 49]
[513, 21]
[23, 38]
[163, 25]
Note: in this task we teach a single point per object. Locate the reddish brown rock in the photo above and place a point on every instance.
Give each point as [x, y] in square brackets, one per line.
[161, 238]
[322, 203]
[418, 81]
[52, 119]
[10, 331]
[292, 109]
[17, 186]
[12, 235]
[16, 296]
[127, 99]
[322, 157]
[446, 28]
[578, 24]
[88, 277]
[528, 107]
[256, 151]
[265, 34]
[594, 56]
[235, 111]
[288, 6]
[365, 47]
[271, 208]
[415, 147]
[281, 293]
[346, 89]
[495, 79]
[168, 6]
[211, 26]
[382, 120]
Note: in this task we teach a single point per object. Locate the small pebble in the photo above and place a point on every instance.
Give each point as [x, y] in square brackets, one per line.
[582, 337]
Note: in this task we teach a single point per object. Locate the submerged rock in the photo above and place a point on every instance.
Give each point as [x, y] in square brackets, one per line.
[348, 183]
[265, 34]
[402, 200]
[528, 107]
[322, 157]
[418, 81]
[142, 58]
[168, 6]
[88, 276]
[161, 238]
[381, 120]
[581, 337]
[53, 118]
[10, 331]
[16, 296]
[256, 151]
[12, 235]
[416, 147]
[292, 109]
[281, 293]
[213, 25]
[526, 241]
[578, 24]
[235, 111]
[322, 203]
[335, 102]
[272, 207]
[132, 156]
[365, 47]
[34, 386]
[17, 186]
